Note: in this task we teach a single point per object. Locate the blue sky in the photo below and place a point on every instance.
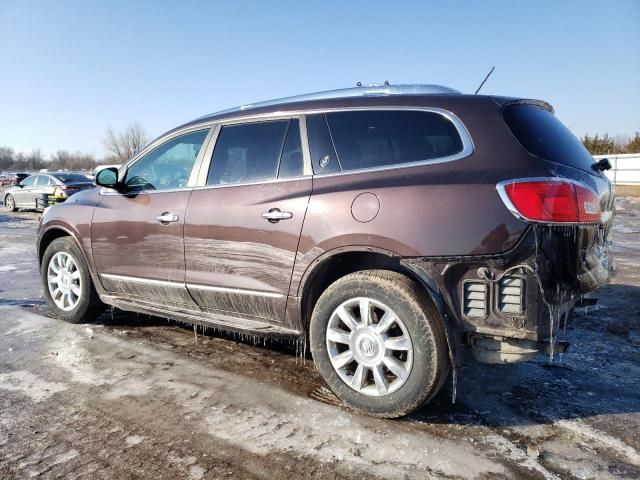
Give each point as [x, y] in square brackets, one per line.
[69, 69]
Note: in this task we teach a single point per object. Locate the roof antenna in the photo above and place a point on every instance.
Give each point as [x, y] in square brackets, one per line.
[485, 79]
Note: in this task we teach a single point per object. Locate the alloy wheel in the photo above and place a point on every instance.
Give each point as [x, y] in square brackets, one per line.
[64, 281]
[369, 346]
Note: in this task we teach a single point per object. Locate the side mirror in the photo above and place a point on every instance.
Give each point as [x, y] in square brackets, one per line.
[108, 177]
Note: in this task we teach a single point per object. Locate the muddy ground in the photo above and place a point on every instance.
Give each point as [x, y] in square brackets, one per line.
[140, 397]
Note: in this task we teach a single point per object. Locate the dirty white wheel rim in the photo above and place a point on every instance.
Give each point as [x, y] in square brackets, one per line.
[10, 203]
[369, 347]
[64, 281]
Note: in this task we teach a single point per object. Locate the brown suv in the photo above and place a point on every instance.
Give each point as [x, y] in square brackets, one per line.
[392, 226]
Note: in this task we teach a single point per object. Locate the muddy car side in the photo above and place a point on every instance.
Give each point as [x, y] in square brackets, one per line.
[389, 268]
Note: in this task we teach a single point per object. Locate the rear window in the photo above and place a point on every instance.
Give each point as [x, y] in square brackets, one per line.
[379, 138]
[544, 136]
[72, 178]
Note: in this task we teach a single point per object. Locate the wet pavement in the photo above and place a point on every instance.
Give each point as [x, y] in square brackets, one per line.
[132, 396]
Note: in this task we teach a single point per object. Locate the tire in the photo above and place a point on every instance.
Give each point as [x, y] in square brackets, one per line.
[10, 203]
[420, 364]
[82, 304]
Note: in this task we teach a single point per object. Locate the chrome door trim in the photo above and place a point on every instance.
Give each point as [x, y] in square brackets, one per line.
[240, 291]
[148, 281]
[196, 286]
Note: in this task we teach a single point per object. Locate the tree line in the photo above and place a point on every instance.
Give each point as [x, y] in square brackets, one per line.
[606, 145]
[120, 146]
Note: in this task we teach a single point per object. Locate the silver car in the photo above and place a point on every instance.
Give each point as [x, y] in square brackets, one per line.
[59, 184]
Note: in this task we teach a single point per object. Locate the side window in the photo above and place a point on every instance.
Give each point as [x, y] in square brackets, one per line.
[43, 180]
[29, 181]
[167, 166]
[291, 162]
[247, 153]
[323, 155]
[378, 138]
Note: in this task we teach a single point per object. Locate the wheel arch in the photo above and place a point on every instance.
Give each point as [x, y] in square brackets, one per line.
[337, 263]
[52, 233]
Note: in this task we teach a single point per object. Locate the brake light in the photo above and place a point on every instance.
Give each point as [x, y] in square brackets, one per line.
[550, 200]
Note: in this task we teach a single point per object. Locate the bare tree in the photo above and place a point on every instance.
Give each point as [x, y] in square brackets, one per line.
[122, 146]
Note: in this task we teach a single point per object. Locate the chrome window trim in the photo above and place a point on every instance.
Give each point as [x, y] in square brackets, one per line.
[206, 165]
[246, 184]
[306, 151]
[604, 216]
[122, 171]
[195, 286]
[203, 173]
[468, 146]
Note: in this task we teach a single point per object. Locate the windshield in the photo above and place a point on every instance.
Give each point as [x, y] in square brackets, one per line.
[544, 136]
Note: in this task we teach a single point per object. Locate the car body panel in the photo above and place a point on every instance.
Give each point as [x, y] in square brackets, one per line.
[135, 254]
[237, 261]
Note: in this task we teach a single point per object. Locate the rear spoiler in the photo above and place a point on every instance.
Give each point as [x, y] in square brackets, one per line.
[506, 101]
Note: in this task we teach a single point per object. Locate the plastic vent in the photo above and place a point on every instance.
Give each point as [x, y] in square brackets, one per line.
[474, 299]
[510, 295]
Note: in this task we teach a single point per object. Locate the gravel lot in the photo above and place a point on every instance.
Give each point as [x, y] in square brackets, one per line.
[140, 397]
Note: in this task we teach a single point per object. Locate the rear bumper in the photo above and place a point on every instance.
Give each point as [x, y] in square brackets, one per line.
[524, 294]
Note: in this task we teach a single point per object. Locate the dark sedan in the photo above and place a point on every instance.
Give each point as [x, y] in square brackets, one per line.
[59, 184]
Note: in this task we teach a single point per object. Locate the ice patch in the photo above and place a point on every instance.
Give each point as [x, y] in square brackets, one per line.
[196, 472]
[7, 268]
[132, 440]
[30, 385]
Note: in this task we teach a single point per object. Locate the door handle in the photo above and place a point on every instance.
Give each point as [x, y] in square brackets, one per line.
[275, 215]
[167, 217]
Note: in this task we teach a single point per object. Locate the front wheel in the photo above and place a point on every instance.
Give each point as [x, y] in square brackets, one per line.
[10, 203]
[379, 343]
[67, 283]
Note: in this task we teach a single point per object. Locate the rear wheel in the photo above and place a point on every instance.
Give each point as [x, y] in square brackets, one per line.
[378, 343]
[10, 203]
[67, 283]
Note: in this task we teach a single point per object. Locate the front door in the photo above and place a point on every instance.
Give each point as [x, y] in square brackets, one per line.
[137, 234]
[242, 229]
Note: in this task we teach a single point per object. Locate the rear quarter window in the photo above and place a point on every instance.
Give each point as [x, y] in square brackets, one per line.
[543, 135]
[381, 138]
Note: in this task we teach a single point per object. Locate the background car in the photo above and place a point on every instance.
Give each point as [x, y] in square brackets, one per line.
[12, 178]
[60, 184]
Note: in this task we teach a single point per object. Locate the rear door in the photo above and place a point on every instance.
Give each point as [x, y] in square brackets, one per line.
[243, 224]
[137, 234]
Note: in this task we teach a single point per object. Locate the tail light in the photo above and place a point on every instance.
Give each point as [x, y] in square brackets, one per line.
[550, 201]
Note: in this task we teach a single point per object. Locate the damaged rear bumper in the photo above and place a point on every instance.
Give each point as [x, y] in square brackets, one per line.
[509, 307]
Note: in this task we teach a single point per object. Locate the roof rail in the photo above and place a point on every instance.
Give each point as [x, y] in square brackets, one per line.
[359, 91]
